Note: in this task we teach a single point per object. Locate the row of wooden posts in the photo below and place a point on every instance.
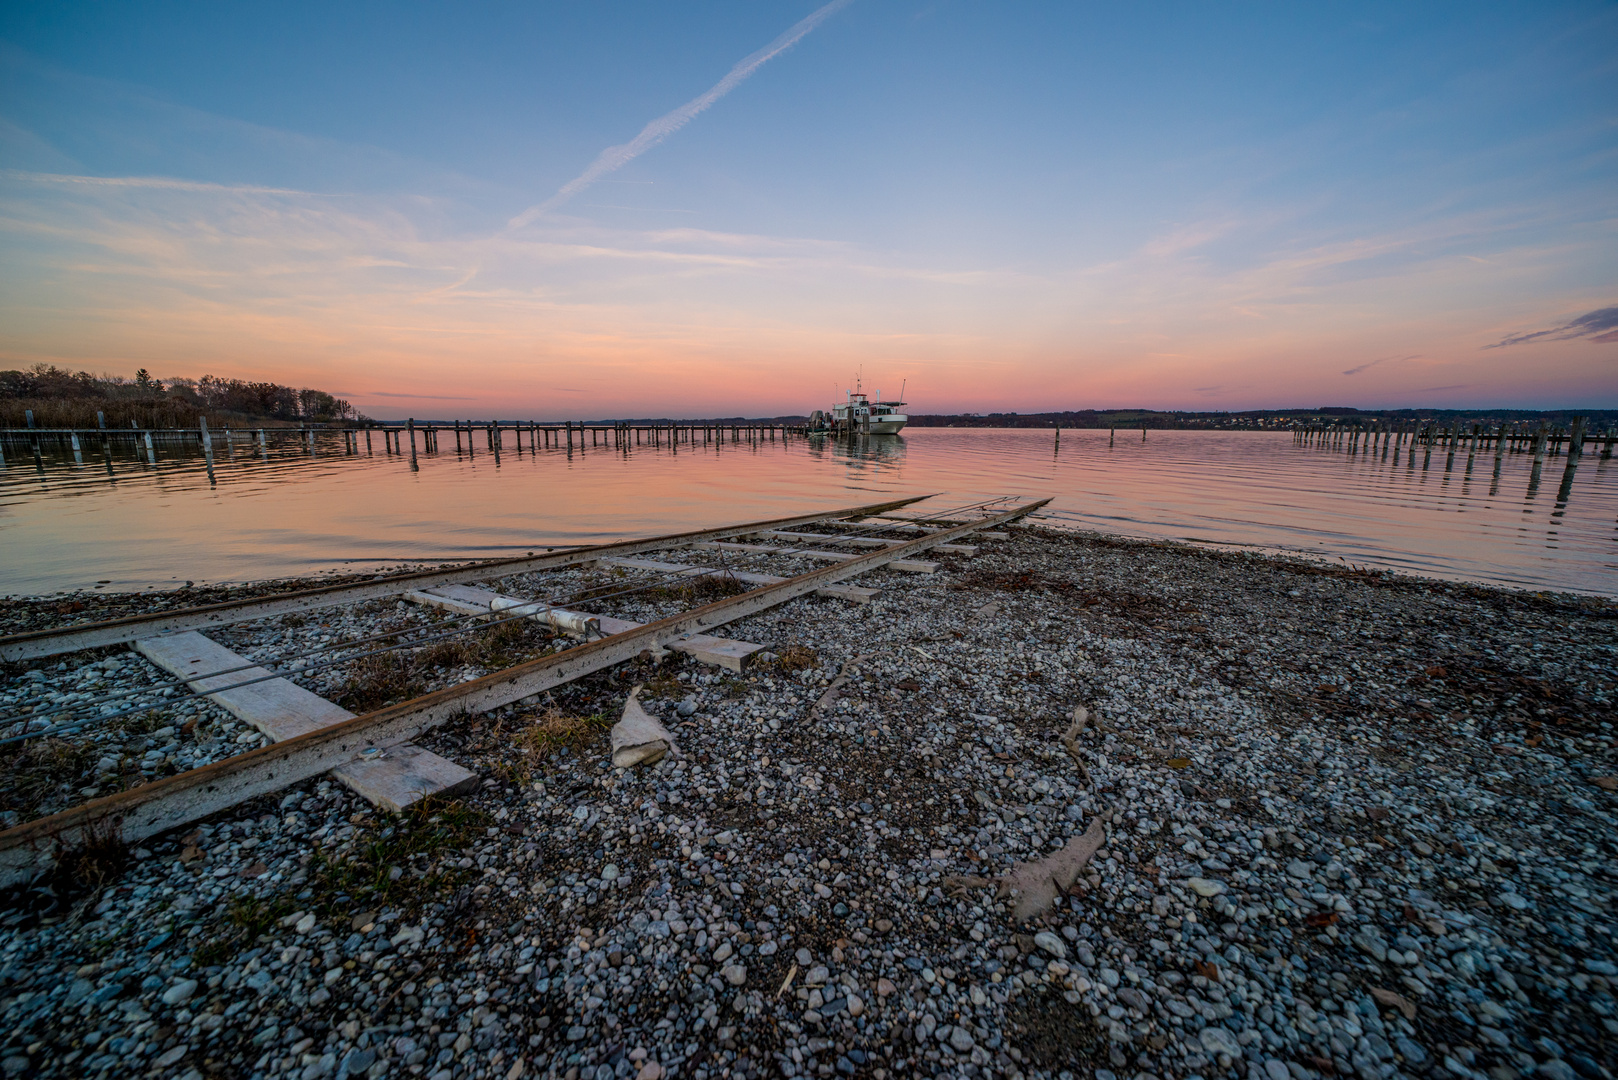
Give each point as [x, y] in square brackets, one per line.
[401, 438]
[570, 435]
[1542, 442]
[145, 441]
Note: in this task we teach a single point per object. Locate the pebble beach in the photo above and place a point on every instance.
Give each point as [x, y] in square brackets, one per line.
[1317, 821]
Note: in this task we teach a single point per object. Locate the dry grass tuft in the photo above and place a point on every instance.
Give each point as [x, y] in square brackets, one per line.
[665, 685]
[696, 591]
[43, 773]
[794, 658]
[90, 865]
[554, 730]
[375, 681]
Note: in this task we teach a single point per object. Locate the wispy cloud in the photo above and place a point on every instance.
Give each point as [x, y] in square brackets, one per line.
[616, 157]
[423, 397]
[1600, 325]
[648, 209]
[1379, 360]
[161, 183]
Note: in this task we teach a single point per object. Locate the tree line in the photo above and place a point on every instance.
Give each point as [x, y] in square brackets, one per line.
[62, 398]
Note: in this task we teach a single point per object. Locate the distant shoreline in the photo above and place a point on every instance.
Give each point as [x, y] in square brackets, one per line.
[1250, 420]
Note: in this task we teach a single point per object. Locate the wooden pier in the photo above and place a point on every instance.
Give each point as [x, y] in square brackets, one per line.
[406, 438]
[1379, 438]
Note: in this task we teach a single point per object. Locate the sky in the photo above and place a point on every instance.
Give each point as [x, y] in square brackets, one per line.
[567, 211]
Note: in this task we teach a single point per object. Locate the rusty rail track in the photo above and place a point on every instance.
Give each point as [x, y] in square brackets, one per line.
[29, 849]
[41, 643]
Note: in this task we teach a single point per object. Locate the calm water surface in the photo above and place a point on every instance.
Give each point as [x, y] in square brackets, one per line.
[131, 525]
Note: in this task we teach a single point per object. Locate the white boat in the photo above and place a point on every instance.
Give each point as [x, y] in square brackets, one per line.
[865, 415]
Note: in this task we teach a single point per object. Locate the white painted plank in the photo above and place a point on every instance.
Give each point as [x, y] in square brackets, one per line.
[281, 709]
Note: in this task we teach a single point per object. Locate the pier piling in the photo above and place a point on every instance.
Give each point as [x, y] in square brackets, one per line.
[207, 446]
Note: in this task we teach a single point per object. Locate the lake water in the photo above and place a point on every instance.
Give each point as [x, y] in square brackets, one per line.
[133, 525]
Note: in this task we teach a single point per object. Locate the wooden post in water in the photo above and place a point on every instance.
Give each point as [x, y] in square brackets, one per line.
[1539, 445]
[1575, 441]
[410, 433]
[1112, 436]
[207, 446]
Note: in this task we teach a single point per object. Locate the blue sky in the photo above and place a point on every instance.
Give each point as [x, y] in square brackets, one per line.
[1011, 206]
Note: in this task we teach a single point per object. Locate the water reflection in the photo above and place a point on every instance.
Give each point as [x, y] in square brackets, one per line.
[284, 506]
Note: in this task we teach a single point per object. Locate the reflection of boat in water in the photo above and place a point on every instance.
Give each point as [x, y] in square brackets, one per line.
[860, 414]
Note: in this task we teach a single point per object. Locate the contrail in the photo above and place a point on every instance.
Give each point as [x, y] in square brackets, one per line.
[615, 157]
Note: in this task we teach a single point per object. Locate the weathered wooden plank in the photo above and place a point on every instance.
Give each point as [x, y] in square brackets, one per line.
[857, 593]
[904, 524]
[173, 801]
[914, 566]
[721, 652]
[278, 707]
[866, 541]
[392, 778]
[37, 643]
[398, 776]
[470, 600]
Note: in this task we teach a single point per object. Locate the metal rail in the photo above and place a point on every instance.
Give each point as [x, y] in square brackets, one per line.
[40, 643]
[177, 800]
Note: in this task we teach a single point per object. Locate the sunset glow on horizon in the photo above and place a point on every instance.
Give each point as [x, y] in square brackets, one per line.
[649, 210]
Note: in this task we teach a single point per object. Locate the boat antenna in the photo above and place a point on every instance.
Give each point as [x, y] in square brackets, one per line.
[902, 386]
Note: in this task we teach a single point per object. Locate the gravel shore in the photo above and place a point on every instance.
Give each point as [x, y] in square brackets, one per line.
[1355, 824]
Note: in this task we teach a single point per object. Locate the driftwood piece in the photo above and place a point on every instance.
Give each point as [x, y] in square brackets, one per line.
[1034, 886]
[835, 690]
[1070, 739]
[960, 886]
